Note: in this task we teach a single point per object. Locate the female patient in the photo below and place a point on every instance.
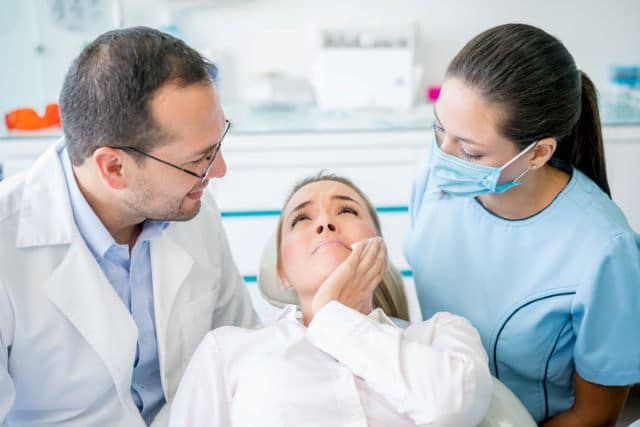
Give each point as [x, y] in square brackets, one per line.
[335, 361]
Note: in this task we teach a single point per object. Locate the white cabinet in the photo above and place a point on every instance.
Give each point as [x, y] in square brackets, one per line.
[262, 168]
[622, 152]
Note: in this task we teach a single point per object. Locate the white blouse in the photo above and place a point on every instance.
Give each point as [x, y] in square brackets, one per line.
[346, 369]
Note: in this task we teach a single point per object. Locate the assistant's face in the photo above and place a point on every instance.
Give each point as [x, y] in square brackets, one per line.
[466, 126]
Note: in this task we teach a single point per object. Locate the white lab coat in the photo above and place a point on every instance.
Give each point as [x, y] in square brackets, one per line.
[67, 342]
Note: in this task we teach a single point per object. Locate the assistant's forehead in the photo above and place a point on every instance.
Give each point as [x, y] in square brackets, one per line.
[465, 113]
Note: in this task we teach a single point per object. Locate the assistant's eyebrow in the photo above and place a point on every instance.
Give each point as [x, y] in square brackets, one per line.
[439, 122]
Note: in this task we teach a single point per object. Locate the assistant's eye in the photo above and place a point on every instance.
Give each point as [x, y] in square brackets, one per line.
[437, 128]
[468, 156]
[300, 217]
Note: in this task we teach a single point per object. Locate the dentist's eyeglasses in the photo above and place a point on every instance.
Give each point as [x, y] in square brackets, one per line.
[210, 157]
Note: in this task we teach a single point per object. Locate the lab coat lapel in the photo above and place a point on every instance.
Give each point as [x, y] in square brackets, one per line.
[77, 286]
[80, 290]
[170, 266]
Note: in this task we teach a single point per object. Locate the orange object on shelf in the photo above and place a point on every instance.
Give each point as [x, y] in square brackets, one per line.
[28, 119]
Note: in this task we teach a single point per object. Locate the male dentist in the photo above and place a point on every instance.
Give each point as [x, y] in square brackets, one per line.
[113, 260]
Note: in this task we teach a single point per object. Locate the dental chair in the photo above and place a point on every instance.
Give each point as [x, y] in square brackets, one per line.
[505, 409]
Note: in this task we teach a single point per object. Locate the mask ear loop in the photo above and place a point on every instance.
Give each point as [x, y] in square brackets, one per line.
[522, 153]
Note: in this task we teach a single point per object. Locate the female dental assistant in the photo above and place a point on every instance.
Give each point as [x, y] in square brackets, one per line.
[512, 227]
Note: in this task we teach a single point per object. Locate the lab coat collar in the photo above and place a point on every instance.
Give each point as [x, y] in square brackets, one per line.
[45, 211]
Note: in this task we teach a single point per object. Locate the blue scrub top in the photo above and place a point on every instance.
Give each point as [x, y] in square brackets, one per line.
[556, 291]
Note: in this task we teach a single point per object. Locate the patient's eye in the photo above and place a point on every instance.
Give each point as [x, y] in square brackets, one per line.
[349, 210]
[300, 217]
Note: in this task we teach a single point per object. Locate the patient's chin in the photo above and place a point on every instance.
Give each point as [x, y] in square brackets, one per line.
[309, 279]
[329, 260]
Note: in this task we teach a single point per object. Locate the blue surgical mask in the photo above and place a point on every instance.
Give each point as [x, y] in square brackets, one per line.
[457, 177]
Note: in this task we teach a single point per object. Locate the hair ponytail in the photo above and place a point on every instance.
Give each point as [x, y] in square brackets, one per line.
[533, 77]
[584, 147]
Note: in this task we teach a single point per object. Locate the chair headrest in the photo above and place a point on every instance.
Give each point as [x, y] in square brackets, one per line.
[269, 283]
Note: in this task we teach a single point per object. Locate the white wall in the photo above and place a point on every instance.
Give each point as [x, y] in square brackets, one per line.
[21, 82]
[249, 37]
[255, 36]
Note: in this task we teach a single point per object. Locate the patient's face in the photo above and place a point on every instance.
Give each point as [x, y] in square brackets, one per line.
[319, 224]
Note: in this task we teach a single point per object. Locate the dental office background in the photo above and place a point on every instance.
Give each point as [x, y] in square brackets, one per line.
[312, 85]
[346, 86]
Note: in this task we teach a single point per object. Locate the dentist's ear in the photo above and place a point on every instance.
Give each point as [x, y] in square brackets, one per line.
[109, 164]
[542, 152]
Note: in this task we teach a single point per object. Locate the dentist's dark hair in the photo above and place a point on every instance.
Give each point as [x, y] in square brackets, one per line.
[532, 76]
[106, 94]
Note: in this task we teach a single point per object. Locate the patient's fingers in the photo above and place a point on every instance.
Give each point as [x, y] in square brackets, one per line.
[370, 256]
[357, 251]
[374, 275]
[373, 265]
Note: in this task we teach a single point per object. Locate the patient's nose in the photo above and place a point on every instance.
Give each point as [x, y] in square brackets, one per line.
[329, 227]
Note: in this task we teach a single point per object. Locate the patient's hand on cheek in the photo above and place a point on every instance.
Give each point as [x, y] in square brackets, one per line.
[354, 281]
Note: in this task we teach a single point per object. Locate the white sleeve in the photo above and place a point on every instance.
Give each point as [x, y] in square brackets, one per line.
[203, 398]
[7, 388]
[434, 372]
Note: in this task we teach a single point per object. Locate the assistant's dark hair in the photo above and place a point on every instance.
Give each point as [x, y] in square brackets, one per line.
[105, 97]
[534, 79]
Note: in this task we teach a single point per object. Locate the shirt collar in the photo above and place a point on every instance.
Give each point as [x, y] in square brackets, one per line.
[381, 317]
[290, 312]
[98, 239]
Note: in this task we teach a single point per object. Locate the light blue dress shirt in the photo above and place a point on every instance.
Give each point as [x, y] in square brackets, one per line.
[130, 276]
[551, 293]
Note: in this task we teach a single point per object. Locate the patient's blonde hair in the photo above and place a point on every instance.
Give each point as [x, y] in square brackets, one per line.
[389, 295]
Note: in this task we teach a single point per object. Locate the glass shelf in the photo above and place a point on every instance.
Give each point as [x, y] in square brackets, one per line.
[247, 120]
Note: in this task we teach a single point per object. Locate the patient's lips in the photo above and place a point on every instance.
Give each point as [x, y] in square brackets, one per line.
[332, 244]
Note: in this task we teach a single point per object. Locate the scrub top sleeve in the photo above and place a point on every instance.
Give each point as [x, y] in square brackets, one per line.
[7, 388]
[606, 315]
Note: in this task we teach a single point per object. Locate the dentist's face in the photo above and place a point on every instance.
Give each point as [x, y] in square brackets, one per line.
[319, 224]
[194, 120]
